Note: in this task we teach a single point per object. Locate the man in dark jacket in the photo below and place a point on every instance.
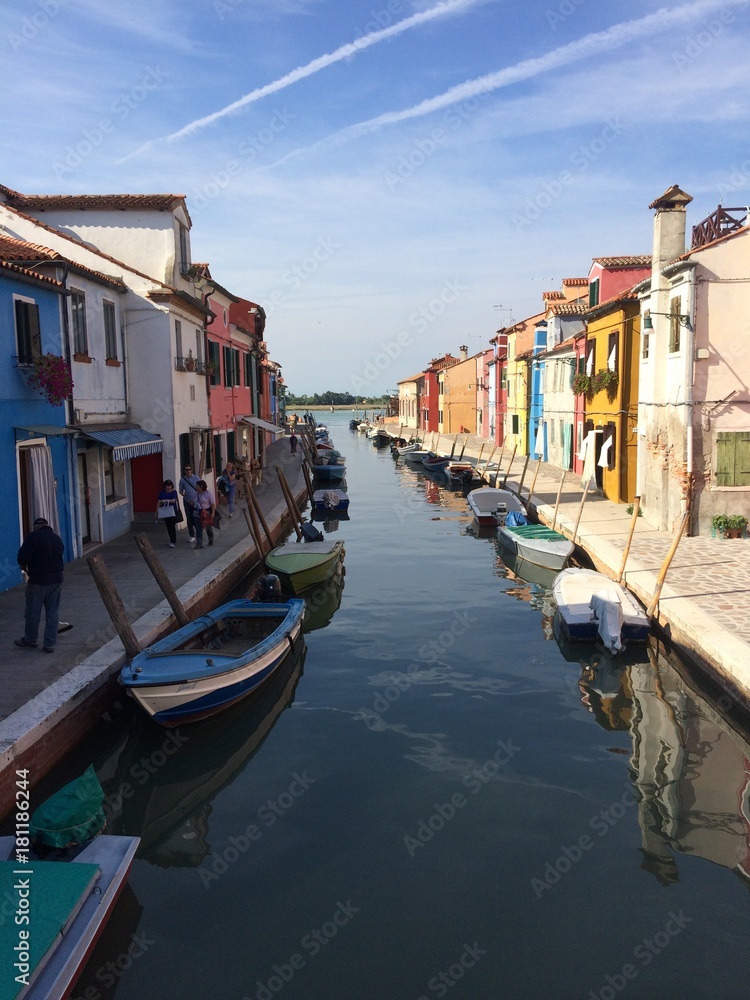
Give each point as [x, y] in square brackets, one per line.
[41, 558]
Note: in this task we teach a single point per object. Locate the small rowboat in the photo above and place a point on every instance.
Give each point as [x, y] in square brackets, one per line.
[329, 473]
[212, 662]
[489, 505]
[537, 544]
[592, 606]
[330, 501]
[300, 565]
[434, 463]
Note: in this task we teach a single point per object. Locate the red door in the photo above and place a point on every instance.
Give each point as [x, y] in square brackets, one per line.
[147, 477]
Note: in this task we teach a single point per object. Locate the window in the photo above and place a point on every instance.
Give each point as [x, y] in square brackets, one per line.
[28, 335]
[78, 314]
[610, 430]
[178, 343]
[514, 423]
[674, 323]
[591, 358]
[199, 345]
[231, 367]
[247, 361]
[612, 352]
[214, 363]
[733, 458]
[184, 250]
[114, 477]
[217, 451]
[594, 293]
[110, 330]
[551, 432]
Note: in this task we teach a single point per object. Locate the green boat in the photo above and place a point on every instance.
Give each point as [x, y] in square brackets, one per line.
[300, 565]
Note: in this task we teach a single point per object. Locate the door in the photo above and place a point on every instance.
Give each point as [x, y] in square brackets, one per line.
[146, 475]
[84, 507]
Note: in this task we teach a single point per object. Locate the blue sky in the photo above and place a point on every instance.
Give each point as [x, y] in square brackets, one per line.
[389, 179]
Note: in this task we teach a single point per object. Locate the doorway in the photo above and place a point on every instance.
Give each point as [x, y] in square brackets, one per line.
[84, 504]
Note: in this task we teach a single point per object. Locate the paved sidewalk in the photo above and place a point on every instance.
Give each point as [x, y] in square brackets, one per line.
[25, 673]
[705, 603]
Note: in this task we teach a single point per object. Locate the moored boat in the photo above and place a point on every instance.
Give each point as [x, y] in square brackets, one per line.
[489, 506]
[536, 543]
[328, 472]
[330, 501]
[416, 455]
[300, 565]
[434, 463]
[592, 606]
[212, 662]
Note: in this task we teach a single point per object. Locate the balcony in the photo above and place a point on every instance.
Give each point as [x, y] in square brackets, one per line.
[716, 225]
[190, 364]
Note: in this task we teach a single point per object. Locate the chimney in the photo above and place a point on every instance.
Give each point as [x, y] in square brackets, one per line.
[669, 231]
[463, 352]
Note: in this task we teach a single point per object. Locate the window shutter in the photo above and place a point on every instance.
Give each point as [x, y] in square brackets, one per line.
[724, 459]
[742, 459]
[227, 366]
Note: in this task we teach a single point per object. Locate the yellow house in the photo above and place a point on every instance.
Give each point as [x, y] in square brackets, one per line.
[520, 350]
[611, 402]
[460, 396]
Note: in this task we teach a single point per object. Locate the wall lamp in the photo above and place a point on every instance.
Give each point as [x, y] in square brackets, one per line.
[682, 318]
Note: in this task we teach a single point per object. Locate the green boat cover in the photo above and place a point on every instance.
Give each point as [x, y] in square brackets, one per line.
[536, 531]
[71, 816]
[47, 893]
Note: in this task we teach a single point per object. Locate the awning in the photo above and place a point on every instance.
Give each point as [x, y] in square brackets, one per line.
[263, 424]
[49, 430]
[129, 442]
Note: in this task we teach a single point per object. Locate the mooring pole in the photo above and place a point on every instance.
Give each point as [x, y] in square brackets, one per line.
[533, 481]
[523, 476]
[165, 584]
[633, 522]
[308, 480]
[580, 509]
[510, 465]
[253, 513]
[651, 610]
[559, 494]
[261, 517]
[113, 604]
[291, 507]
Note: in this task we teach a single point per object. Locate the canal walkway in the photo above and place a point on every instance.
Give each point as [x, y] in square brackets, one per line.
[38, 690]
[704, 606]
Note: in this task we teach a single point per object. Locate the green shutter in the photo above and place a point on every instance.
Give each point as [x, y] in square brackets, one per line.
[733, 458]
[742, 459]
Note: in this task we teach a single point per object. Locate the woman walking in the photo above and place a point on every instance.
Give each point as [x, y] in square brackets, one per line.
[168, 510]
[230, 478]
[204, 509]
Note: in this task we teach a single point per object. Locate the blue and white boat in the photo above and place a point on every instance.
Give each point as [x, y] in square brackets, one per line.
[329, 473]
[593, 607]
[330, 501]
[214, 661]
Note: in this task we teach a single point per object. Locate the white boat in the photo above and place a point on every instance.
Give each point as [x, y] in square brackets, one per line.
[463, 474]
[490, 506]
[71, 900]
[407, 449]
[592, 606]
[416, 455]
[537, 544]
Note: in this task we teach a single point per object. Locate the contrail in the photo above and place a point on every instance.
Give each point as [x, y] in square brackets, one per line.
[593, 44]
[446, 9]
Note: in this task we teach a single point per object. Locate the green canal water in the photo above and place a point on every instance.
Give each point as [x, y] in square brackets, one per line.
[435, 799]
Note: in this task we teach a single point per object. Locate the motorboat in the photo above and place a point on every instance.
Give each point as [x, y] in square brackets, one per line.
[330, 501]
[489, 506]
[434, 463]
[536, 543]
[592, 606]
[213, 661]
[300, 565]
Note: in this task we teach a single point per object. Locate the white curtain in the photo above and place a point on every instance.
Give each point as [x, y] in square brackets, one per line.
[590, 364]
[43, 500]
[539, 443]
[586, 454]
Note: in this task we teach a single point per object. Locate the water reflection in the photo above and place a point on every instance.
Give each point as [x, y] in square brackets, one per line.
[322, 603]
[690, 769]
[163, 786]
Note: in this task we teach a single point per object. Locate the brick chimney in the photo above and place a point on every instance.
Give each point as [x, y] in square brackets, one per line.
[669, 230]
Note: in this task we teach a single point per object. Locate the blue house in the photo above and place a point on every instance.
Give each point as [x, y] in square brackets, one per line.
[537, 429]
[35, 442]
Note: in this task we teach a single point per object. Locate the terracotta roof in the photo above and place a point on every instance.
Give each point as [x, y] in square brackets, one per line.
[641, 260]
[627, 295]
[552, 295]
[438, 364]
[569, 308]
[37, 278]
[412, 378]
[15, 250]
[575, 281]
[93, 202]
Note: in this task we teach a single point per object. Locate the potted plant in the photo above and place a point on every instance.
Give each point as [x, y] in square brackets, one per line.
[581, 384]
[736, 524]
[190, 362]
[52, 377]
[604, 379]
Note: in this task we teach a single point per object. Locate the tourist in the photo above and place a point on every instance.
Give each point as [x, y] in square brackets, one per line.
[230, 479]
[41, 558]
[204, 509]
[256, 473]
[168, 510]
[186, 487]
[293, 443]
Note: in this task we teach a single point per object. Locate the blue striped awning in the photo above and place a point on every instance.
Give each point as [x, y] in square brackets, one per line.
[128, 442]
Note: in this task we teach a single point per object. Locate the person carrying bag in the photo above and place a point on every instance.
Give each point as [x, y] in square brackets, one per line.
[168, 510]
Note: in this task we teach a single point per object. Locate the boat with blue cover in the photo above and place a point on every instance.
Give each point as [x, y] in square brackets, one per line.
[214, 661]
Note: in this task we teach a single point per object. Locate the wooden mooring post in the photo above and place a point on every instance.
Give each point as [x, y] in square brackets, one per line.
[651, 610]
[580, 510]
[533, 481]
[160, 575]
[113, 603]
[523, 476]
[559, 494]
[291, 505]
[510, 465]
[626, 553]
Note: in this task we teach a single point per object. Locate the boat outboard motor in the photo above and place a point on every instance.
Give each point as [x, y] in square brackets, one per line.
[310, 533]
[501, 513]
[269, 589]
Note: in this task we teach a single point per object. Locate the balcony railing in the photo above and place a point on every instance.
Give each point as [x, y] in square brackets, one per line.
[190, 365]
[718, 224]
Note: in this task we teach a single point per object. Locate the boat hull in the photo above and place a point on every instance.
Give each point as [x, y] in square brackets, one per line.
[537, 545]
[329, 473]
[485, 501]
[296, 567]
[175, 681]
[573, 589]
[322, 502]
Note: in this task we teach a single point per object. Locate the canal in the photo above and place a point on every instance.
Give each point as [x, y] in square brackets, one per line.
[435, 799]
